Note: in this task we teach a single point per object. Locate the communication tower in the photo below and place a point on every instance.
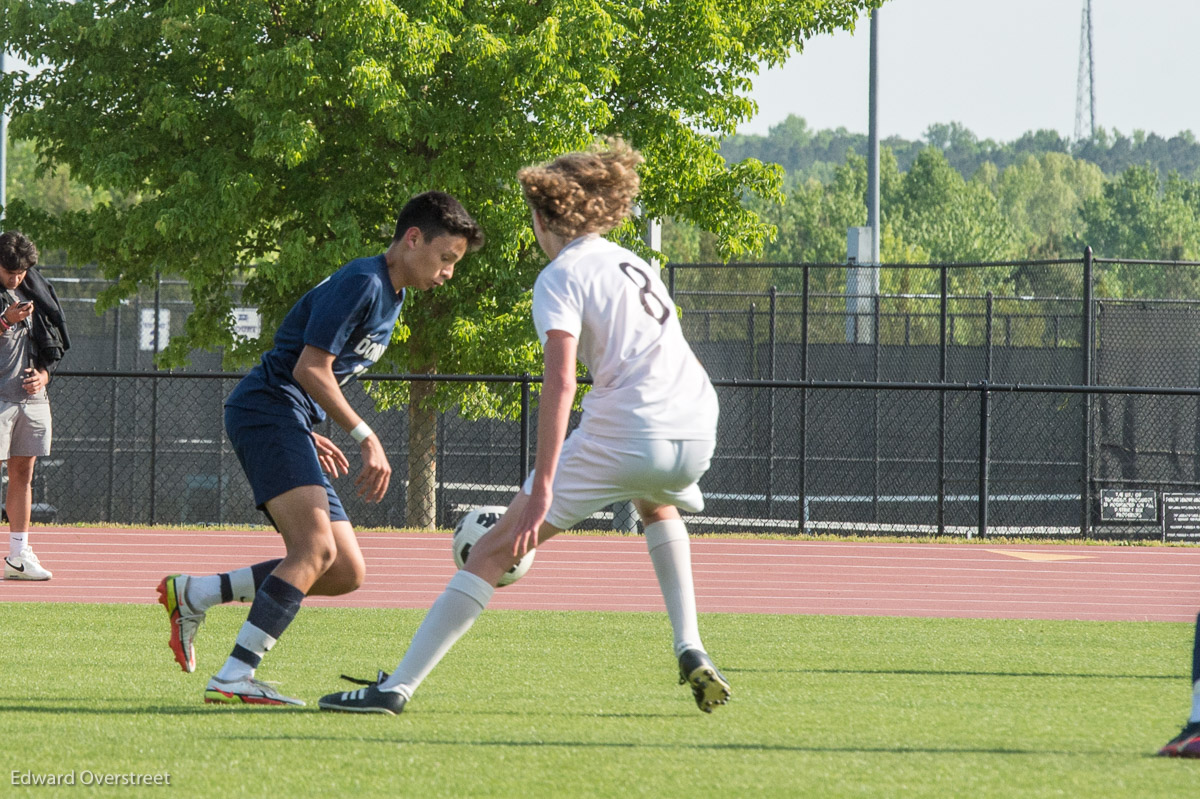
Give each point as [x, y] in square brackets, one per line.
[1085, 84]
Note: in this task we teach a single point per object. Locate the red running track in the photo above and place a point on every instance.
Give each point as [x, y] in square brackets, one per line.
[409, 570]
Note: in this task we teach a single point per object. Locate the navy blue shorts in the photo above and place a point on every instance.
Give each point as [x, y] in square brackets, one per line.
[277, 454]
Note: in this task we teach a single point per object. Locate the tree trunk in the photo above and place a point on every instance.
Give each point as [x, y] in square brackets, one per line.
[421, 506]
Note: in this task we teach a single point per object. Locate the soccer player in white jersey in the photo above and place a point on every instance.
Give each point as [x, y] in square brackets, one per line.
[647, 433]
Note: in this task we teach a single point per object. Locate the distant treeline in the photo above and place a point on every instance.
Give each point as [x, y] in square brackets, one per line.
[806, 153]
[953, 198]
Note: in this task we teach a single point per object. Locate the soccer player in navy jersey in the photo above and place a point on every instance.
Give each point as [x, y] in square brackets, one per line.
[1187, 742]
[335, 332]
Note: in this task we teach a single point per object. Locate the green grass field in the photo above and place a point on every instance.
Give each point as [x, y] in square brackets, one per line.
[574, 704]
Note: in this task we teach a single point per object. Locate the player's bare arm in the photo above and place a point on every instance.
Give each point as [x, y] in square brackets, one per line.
[554, 412]
[314, 373]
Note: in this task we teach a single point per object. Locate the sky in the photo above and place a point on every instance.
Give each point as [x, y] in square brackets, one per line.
[999, 67]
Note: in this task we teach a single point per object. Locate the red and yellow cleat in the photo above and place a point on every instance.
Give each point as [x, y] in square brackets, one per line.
[185, 622]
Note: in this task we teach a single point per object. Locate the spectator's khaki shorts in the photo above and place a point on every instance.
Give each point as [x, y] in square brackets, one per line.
[25, 429]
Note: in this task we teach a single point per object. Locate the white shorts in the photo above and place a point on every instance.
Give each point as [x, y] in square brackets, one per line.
[595, 472]
[25, 429]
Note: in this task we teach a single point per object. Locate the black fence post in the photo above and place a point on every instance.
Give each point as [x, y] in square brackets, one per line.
[220, 428]
[941, 464]
[985, 455]
[154, 442]
[876, 354]
[112, 417]
[772, 318]
[987, 342]
[440, 511]
[524, 455]
[804, 302]
[154, 401]
[752, 334]
[985, 449]
[803, 476]
[1087, 348]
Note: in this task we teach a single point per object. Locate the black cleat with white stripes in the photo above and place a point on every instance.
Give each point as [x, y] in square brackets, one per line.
[364, 700]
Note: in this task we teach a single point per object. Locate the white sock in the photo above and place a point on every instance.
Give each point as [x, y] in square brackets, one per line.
[1195, 717]
[252, 639]
[17, 542]
[234, 669]
[671, 554]
[203, 592]
[452, 615]
[242, 583]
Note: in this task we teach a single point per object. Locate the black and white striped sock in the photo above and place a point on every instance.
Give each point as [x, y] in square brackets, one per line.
[274, 607]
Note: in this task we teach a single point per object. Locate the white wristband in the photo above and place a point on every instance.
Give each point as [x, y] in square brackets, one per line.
[362, 432]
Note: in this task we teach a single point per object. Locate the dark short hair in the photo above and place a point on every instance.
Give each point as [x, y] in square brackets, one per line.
[17, 252]
[436, 213]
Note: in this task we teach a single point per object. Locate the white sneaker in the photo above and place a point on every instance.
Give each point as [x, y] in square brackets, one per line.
[185, 621]
[247, 691]
[25, 566]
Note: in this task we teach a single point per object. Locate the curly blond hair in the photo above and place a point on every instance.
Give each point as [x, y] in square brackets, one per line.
[584, 192]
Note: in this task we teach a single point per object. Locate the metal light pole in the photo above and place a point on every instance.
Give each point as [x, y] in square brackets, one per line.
[653, 239]
[873, 146]
[862, 243]
[3, 146]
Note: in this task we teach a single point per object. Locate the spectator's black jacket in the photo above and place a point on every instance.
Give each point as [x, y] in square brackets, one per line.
[48, 329]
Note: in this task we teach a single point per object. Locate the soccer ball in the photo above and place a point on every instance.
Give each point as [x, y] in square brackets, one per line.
[471, 528]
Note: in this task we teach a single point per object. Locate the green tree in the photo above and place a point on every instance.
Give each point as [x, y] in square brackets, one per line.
[1042, 199]
[276, 140]
[1141, 216]
[804, 152]
[45, 186]
[812, 223]
[952, 219]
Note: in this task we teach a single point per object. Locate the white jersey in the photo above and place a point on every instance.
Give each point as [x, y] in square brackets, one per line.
[647, 382]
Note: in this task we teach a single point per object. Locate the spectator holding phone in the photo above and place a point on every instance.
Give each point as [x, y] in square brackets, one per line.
[33, 338]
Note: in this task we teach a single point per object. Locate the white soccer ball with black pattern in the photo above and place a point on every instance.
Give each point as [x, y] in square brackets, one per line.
[471, 528]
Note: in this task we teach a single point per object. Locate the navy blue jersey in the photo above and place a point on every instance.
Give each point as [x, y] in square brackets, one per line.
[351, 314]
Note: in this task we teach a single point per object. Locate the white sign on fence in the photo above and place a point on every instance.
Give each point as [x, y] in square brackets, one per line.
[247, 323]
[146, 329]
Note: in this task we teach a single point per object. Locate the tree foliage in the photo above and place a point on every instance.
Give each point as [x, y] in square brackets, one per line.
[46, 186]
[273, 140]
[1043, 207]
[804, 152]
[1042, 198]
[1139, 216]
[276, 140]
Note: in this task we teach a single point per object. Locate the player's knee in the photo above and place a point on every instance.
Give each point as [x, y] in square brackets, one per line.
[322, 554]
[345, 575]
[352, 577]
[20, 470]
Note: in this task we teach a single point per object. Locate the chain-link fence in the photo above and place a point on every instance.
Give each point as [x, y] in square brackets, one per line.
[947, 322]
[813, 456]
[944, 408]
